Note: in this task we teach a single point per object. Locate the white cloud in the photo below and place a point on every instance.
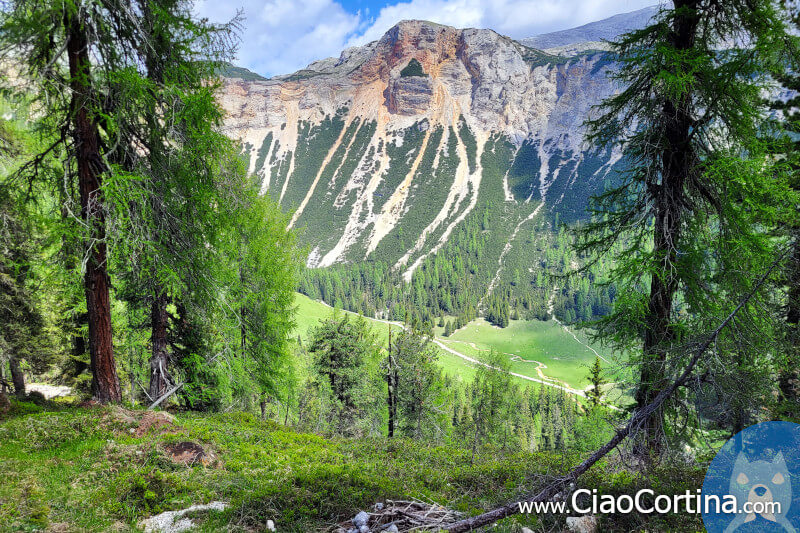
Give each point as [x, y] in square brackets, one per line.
[282, 36]
[515, 18]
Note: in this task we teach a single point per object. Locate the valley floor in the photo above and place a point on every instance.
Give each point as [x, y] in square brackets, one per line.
[544, 352]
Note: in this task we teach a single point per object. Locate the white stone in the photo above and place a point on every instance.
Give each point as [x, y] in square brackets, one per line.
[173, 521]
[361, 519]
[582, 524]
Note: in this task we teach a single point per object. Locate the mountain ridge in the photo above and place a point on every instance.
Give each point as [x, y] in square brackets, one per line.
[594, 32]
[475, 158]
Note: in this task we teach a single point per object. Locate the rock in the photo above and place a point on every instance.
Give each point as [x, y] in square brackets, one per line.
[409, 96]
[363, 529]
[270, 525]
[361, 519]
[48, 391]
[379, 506]
[174, 521]
[526, 530]
[582, 524]
[36, 397]
[391, 529]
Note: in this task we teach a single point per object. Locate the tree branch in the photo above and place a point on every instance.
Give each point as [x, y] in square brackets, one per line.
[167, 394]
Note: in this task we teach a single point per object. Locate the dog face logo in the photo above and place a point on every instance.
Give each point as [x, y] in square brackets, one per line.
[766, 486]
[753, 482]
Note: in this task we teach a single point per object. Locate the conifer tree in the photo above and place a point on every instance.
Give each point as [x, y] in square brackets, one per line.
[595, 393]
[788, 148]
[698, 188]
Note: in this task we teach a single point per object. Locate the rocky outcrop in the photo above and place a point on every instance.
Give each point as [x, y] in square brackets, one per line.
[495, 83]
[355, 148]
[410, 95]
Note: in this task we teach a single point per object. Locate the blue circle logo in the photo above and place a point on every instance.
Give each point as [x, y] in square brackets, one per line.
[753, 484]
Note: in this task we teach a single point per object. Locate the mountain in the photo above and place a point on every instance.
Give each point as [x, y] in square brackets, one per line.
[593, 34]
[432, 144]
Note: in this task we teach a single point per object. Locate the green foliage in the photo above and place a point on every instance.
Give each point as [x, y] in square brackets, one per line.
[701, 206]
[229, 70]
[102, 477]
[414, 68]
[595, 393]
[187, 228]
[421, 397]
[344, 349]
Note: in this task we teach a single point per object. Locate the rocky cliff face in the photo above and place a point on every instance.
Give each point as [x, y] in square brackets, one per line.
[382, 166]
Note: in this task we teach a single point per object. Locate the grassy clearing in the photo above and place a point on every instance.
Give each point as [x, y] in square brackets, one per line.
[566, 359]
[66, 468]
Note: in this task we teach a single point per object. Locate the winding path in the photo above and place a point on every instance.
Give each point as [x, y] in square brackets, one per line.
[440, 344]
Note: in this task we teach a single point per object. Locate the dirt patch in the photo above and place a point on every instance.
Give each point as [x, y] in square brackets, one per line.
[139, 423]
[5, 404]
[190, 453]
[155, 422]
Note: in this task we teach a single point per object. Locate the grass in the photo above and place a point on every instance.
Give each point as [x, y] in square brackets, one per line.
[566, 359]
[67, 468]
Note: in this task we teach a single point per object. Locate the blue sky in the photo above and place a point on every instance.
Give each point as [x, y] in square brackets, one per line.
[282, 36]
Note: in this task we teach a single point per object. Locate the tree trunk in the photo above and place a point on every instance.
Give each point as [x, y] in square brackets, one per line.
[159, 377]
[390, 402]
[789, 379]
[390, 386]
[90, 165]
[17, 377]
[669, 206]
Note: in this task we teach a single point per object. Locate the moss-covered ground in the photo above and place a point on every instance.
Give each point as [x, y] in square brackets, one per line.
[70, 468]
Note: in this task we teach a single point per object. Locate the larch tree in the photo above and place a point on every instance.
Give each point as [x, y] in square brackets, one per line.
[686, 216]
[176, 170]
[786, 103]
[69, 52]
[595, 393]
[418, 384]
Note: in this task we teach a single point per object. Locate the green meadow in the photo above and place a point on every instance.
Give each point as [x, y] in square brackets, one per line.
[541, 350]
